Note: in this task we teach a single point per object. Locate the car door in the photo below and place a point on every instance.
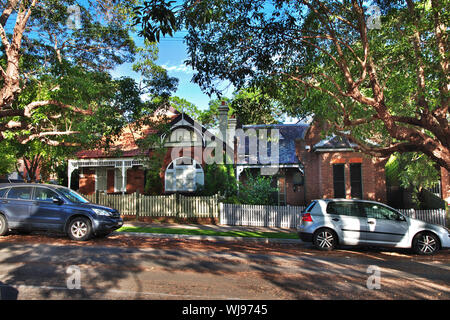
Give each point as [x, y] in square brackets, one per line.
[349, 220]
[17, 205]
[45, 213]
[385, 225]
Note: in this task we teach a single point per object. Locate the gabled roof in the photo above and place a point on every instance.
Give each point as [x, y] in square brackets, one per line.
[289, 133]
[126, 144]
[334, 143]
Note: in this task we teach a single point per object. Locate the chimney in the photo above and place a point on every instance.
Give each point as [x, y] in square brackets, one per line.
[232, 124]
[223, 120]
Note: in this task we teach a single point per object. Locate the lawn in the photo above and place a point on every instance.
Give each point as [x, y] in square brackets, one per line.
[201, 232]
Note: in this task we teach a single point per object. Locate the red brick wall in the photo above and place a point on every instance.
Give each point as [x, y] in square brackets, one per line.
[135, 180]
[319, 170]
[87, 181]
[293, 197]
[373, 180]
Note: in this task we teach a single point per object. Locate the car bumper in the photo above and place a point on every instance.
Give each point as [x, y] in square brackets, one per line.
[107, 224]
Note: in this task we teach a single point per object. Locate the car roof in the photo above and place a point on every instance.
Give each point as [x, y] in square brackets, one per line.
[347, 200]
[24, 184]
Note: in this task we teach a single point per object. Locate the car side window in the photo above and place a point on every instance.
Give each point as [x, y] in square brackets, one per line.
[21, 193]
[344, 209]
[3, 192]
[376, 211]
[44, 194]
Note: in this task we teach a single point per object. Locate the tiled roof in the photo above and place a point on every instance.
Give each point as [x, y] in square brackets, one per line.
[289, 133]
[125, 145]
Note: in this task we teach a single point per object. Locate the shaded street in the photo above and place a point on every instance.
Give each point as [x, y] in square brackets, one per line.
[120, 267]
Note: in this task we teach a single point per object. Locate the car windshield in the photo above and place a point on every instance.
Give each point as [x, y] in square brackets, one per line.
[72, 195]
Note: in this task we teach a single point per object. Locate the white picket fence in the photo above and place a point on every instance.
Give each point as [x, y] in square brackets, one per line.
[159, 206]
[288, 216]
[260, 216]
[228, 214]
[436, 216]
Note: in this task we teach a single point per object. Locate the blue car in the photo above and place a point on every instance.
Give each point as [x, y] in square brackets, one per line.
[28, 207]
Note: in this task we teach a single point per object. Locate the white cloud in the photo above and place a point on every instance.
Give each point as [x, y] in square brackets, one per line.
[178, 68]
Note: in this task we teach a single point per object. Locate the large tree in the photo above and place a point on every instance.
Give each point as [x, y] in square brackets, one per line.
[54, 55]
[383, 85]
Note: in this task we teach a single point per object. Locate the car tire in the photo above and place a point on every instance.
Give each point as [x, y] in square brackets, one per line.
[325, 239]
[79, 229]
[425, 243]
[3, 225]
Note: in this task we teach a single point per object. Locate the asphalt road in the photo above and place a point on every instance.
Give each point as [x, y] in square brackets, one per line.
[41, 267]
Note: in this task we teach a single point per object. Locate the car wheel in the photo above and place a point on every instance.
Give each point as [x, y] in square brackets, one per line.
[80, 229]
[3, 225]
[325, 239]
[425, 243]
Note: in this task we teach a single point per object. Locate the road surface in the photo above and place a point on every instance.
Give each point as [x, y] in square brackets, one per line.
[51, 267]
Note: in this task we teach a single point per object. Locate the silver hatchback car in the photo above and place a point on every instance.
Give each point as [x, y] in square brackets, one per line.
[331, 222]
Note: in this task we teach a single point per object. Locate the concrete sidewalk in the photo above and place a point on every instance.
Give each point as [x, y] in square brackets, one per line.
[218, 228]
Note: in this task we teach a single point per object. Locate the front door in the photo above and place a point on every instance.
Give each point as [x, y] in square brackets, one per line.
[385, 225]
[110, 181]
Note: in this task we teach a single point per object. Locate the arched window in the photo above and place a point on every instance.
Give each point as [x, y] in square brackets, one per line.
[183, 174]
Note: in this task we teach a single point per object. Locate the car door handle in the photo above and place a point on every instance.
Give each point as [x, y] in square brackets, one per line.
[371, 222]
[5, 201]
[335, 219]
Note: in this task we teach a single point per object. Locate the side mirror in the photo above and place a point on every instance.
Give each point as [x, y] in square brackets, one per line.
[57, 200]
[401, 218]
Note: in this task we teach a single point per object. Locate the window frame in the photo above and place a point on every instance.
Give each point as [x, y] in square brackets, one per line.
[335, 181]
[35, 191]
[21, 187]
[352, 181]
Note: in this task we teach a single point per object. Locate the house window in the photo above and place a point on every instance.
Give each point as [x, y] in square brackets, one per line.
[339, 180]
[101, 179]
[183, 174]
[356, 180]
[118, 181]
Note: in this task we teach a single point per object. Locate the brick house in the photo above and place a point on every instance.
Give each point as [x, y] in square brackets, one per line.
[121, 168]
[311, 167]
[306, 166]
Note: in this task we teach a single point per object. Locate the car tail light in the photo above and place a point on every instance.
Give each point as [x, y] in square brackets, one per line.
[306, 217]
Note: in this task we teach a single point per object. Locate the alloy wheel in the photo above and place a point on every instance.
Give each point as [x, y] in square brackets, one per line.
[325, 239]
[79, 229]
[427, 244]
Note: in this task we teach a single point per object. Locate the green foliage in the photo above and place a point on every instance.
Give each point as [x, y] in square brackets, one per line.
[219, 179]
[312, 56]
[7, 159]
[412, 171]
[257, 190]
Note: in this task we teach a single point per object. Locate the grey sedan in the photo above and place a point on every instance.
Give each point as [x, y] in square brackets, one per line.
[330, 222]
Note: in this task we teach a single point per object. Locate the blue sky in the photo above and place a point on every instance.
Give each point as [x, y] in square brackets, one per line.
[172, 54]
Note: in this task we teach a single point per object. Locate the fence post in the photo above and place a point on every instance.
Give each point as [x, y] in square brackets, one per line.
[136, 204]
[447, 215]
[220, 212]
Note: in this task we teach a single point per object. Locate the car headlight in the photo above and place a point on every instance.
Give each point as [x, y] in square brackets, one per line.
[101, 212]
